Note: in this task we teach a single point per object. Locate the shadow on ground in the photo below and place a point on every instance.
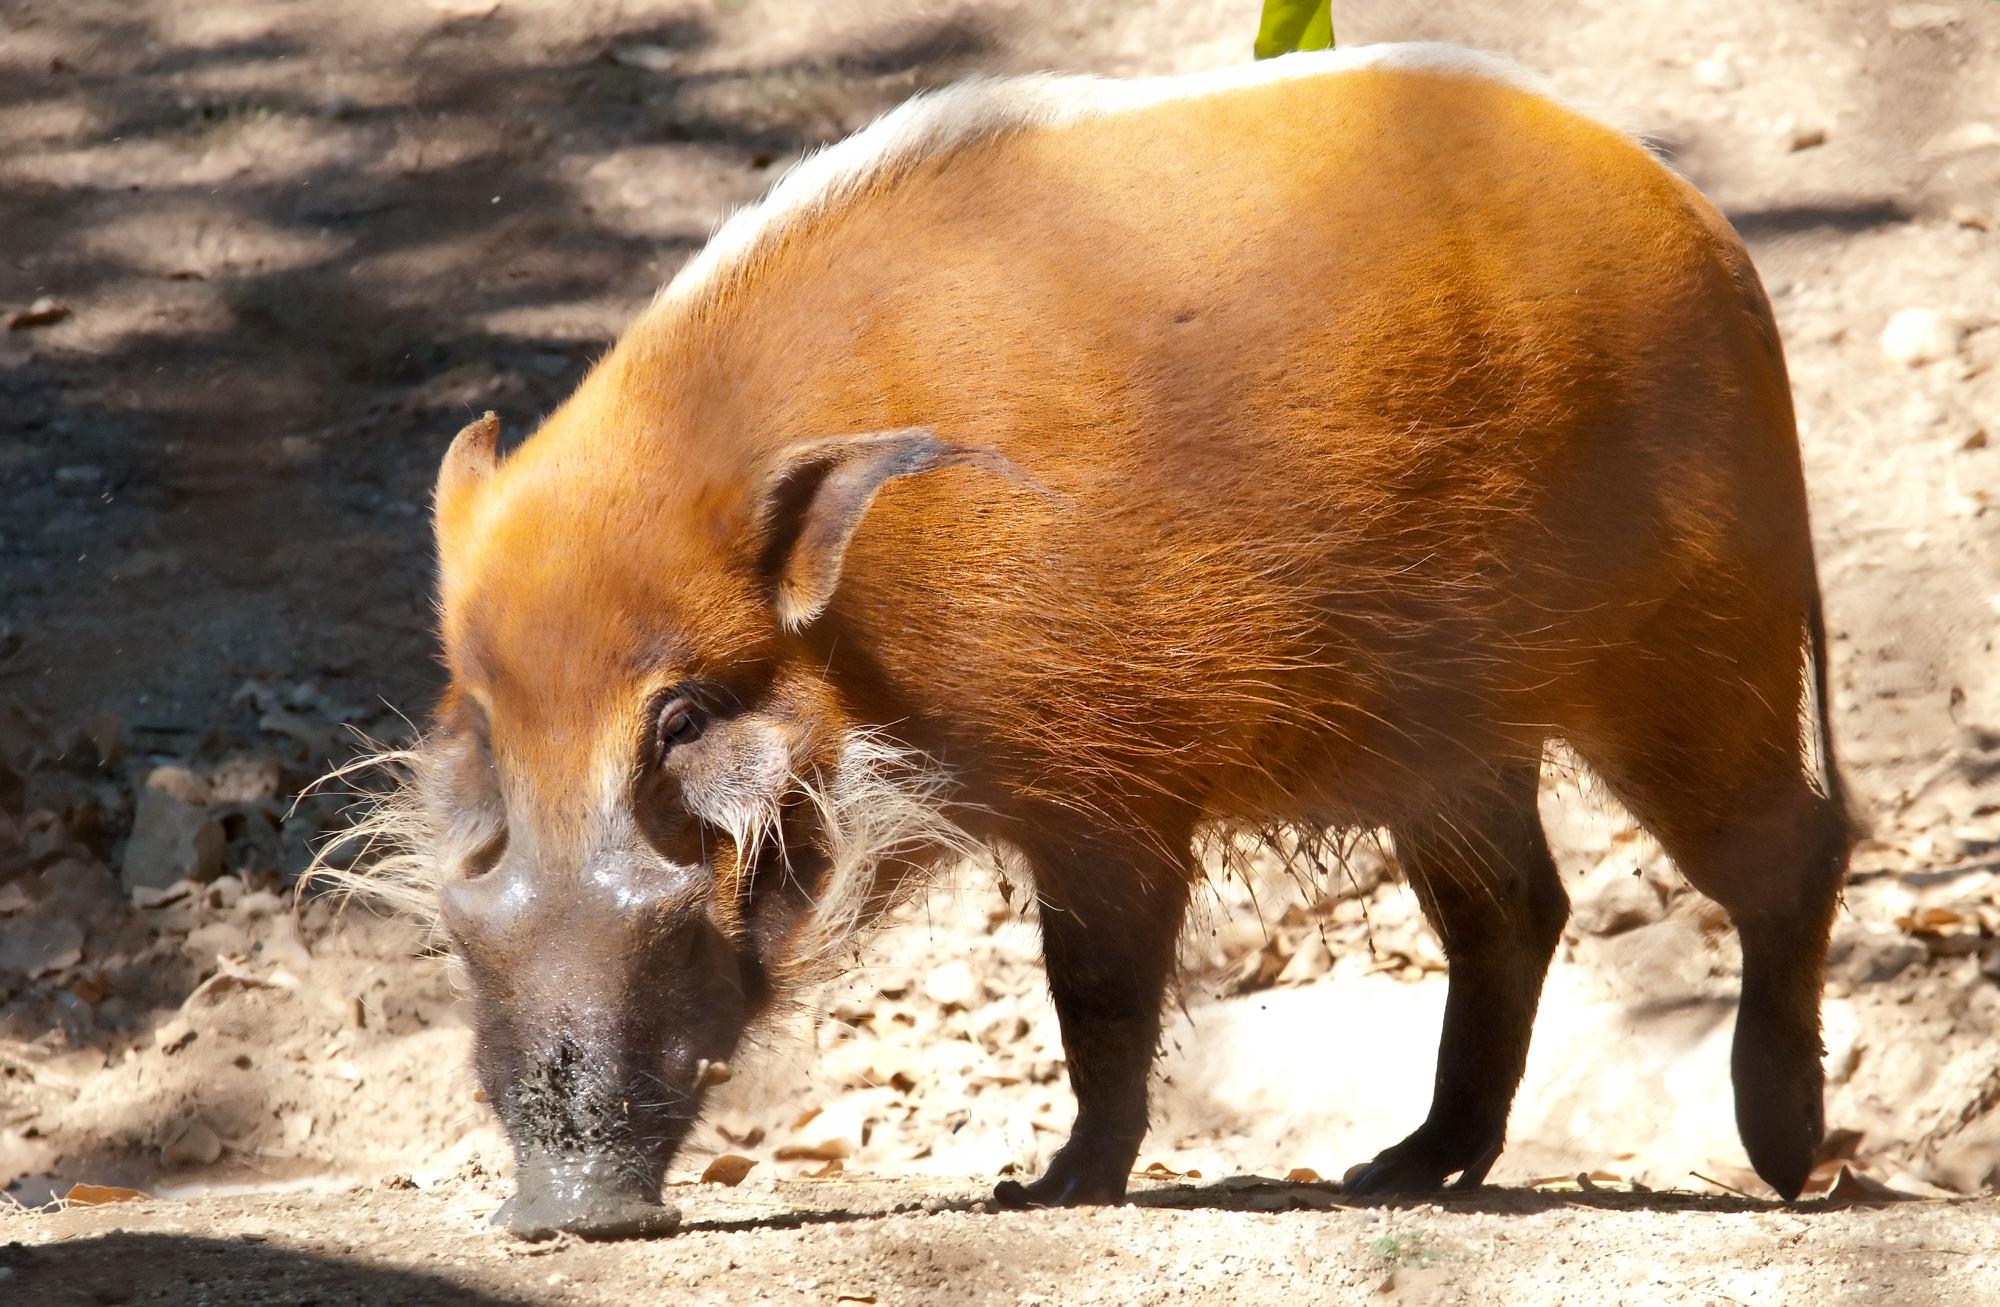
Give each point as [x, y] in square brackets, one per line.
[287, 290]
[117, 1268]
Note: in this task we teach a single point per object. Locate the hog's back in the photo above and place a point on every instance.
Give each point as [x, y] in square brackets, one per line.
[1362, 407]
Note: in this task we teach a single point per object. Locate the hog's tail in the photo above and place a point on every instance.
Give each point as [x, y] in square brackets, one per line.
[1831, 782]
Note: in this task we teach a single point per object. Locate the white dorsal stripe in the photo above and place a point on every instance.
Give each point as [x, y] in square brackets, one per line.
[938, 121]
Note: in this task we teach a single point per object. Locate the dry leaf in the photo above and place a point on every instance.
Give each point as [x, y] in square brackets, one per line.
[1850, 1186]
[93, 1195]
[1929, 921]
[42, 313]
[728, 1169]
[827, 1172]
[1161, 1171]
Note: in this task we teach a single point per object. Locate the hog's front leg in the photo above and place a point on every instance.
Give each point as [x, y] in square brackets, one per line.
[1109, 930]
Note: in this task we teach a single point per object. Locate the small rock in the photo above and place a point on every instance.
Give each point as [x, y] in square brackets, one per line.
[650, 58]
[1620, 904]
[1718, 71]
[1922, 18]
[1977, 440]
[179, 782]
[245, 778]
[149, 896]
[260, 903]
[42, 313]
[1918, 336]
[172, 840]
[193, 1144]
[1805, 138]
[41, 942]
[1966, 138]
[1311, 961]
[951, 985]
[317, 740]
[174, 1036]
[107, 736]
[218, 939]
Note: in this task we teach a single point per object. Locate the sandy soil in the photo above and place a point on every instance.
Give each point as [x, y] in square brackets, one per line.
[290, 248]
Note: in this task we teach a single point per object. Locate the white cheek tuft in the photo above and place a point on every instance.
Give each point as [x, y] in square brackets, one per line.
[741, 797]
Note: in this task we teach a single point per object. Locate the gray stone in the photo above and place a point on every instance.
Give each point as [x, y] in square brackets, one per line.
[39, 942]
[1620, 904]
[172, 840]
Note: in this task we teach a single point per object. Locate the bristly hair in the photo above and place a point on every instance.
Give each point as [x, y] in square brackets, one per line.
[392, 850]
[883, 822]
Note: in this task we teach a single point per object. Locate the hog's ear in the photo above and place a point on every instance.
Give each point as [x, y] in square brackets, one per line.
[467, 465]
[811, 504]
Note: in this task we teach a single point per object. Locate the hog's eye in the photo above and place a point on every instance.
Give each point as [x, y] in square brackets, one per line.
[681, 722]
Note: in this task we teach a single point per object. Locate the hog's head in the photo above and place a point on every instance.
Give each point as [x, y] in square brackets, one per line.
[648, 809]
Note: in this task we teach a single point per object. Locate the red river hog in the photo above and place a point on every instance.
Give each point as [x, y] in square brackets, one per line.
[1086, 470]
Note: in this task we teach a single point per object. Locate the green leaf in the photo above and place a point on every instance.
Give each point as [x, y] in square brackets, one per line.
[1290, 25]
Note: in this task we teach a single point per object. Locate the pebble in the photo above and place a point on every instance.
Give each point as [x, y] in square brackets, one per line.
[39, 943]
[245, 778]
[178, 781]
[1310, 961]
[1966, 138]
[1718, 71]
[951, 985]
[194, 1144]
[1916, 336]
[172, 840]
[1922, 18]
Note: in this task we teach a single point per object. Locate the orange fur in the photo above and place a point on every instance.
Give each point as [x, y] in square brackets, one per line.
[1223, 478]
[1368, 441]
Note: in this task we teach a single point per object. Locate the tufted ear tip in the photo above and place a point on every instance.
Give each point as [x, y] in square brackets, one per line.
[470, 460]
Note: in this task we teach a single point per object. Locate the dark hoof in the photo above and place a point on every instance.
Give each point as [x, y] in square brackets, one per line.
[1418, 1166]
[1060, 1189]
[1783, 1141]
[546, 1213]
[1778, 1108]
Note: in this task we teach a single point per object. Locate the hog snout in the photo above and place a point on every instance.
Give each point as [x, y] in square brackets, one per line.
[598, 998]
[592, 1135]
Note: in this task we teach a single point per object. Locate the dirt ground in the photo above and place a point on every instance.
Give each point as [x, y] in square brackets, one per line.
[262, 259]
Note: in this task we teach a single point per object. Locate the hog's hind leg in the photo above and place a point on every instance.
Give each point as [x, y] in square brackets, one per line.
[1110, 924]
[1698, 733]
[1482, 872]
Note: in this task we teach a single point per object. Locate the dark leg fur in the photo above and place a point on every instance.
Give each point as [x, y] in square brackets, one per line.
[1109, 930]
[1482, 872]
[1779, 878]
[1712, 766]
